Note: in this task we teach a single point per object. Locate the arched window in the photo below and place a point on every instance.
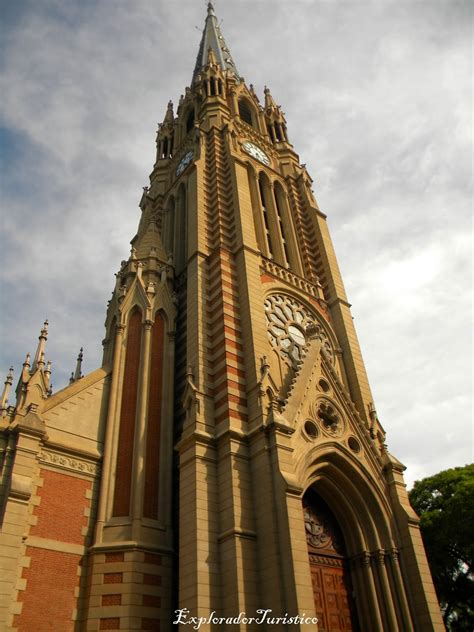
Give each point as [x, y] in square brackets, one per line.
[265, 201]
[245, 112]
[282, 216]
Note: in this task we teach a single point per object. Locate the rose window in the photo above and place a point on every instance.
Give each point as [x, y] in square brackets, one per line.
[289, 325]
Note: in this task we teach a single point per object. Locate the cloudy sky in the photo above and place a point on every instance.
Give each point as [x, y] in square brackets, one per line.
[378, 102]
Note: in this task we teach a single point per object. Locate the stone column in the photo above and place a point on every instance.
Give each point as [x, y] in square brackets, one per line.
[379, 557]
[111, 435]
[397, 578]
[140, 432]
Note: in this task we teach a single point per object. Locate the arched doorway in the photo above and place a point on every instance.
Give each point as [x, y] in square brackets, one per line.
[330, 574]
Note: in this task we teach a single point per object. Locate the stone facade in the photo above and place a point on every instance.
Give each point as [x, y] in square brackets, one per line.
[227, 456]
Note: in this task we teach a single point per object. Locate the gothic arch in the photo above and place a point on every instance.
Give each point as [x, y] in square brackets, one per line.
[351, 494]
[369, 532]
[135, 297]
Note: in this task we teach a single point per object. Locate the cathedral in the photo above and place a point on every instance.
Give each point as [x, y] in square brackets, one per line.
[224, 469]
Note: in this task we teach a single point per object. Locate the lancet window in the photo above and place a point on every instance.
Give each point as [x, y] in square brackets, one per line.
[214, 87]
[165, 147]
[274, 228]
[265, 205]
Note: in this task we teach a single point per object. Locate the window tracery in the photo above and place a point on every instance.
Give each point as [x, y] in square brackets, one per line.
[289, 326]
[289, 323]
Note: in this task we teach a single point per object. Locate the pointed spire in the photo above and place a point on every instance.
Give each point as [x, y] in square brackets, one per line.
[78, 374]
[6, 391]
[39, 356]
[213, 39]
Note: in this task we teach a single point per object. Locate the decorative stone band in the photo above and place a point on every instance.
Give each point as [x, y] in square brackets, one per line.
[325, 560]
[69, 462]
[313, 289]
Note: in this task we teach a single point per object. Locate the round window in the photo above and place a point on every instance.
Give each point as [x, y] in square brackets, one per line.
[311, 429]
[354, 444]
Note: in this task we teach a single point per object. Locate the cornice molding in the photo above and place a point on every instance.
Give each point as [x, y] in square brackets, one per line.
[69, 462]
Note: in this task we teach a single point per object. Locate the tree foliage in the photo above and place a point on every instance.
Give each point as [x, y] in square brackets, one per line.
[445, 504]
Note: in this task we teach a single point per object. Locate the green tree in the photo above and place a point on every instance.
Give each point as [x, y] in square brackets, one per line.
[445, 504]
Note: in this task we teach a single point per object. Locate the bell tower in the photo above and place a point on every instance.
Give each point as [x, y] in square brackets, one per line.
[226, 461]
[279, 447]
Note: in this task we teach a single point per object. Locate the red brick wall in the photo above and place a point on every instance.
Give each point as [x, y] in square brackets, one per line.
[61, 509]
[49, 598]
[152, 459]
[123, 480]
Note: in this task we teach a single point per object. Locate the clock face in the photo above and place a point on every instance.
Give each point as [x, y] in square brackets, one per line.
[184, 162]
[287, 324]
[256, 152]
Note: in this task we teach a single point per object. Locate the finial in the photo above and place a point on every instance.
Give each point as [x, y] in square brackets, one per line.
[41, 346]
[71, 379]
[9, 377]
[26, 363]
[210, 9]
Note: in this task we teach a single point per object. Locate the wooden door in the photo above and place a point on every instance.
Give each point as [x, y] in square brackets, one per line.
[329, 572]
[331, 595]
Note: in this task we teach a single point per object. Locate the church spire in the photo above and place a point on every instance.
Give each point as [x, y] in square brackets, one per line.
[213, 40]
[38, 362]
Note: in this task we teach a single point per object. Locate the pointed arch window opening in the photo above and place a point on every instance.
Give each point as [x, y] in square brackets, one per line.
[283, 232]
[266, 222]
[245, 112]
[271, 132]
[165, 147]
